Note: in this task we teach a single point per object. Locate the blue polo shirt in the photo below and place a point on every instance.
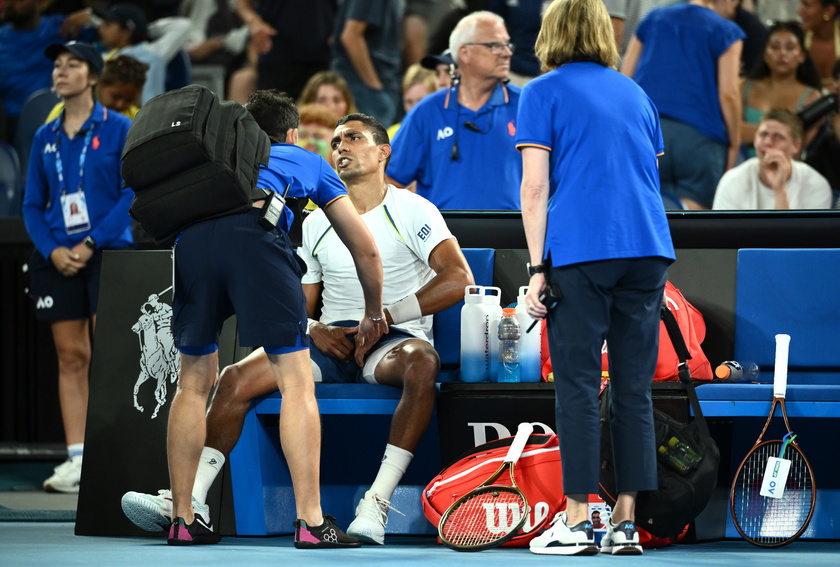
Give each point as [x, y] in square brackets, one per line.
[308, 173]
[107, 200]
[678, 64]
[488, 170]
[603, 136]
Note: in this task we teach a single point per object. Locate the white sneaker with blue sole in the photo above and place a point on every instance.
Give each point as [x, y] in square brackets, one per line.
[560, 539]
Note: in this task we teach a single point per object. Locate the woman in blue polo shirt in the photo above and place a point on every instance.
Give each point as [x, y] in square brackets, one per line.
[74, 206]
[596, 229]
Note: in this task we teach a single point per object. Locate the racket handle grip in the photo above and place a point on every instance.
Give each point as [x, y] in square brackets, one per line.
[523, 432]
[780, 374]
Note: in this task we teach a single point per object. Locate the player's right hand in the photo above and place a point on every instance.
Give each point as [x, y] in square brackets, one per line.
[336, 342]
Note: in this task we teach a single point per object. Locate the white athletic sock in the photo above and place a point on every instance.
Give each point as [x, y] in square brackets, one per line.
[75, 450]
[209, 466]
[392, 469]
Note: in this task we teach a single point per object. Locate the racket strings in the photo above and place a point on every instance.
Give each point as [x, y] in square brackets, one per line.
[765, 520]
[483, 518]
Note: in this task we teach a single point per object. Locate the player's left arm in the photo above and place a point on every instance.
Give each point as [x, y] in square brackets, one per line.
[452, 275]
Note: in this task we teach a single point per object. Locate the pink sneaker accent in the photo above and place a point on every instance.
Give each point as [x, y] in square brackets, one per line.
[306, 536]
[176, 533]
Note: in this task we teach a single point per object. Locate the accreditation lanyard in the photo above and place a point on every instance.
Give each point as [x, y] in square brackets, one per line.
[74, 205]
[59, 166]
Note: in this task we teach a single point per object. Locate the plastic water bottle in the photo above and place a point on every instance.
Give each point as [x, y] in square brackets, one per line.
[734, 371]
[493, 304]
[529, 343]
[509, 333]
[475, 346]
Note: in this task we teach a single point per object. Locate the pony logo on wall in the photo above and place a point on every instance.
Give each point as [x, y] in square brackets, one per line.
[159, 360]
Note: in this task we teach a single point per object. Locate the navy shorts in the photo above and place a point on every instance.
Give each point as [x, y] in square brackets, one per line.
[334, 370]
[231, 265]
[61, 298]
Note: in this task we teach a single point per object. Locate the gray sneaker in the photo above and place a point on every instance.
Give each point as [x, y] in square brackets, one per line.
[622, 539]
[154, 513]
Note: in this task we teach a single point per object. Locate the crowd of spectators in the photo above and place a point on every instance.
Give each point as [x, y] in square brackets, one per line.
[377, 57]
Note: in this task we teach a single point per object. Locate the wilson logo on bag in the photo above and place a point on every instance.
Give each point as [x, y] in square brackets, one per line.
[538, 474]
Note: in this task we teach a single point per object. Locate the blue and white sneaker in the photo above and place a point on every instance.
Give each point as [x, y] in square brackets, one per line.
[622, 539]
[560, 539]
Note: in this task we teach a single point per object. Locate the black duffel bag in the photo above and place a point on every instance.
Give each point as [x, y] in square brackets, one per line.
[687, 458]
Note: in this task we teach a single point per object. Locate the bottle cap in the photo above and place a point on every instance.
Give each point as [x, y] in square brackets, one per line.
[723, 371]
[509, 311]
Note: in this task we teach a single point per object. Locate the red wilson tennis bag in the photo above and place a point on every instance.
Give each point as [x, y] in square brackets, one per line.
[538, 474]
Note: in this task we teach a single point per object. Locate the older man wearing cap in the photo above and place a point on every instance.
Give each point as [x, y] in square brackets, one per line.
[124, 30]
[457, 144]
[74, 206]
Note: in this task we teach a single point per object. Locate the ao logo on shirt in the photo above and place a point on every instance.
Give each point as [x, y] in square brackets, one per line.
[444, 133]
[49, 148]
[44, 302]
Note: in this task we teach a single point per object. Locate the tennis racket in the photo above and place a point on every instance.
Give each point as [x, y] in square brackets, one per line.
[489, 514]
[769, 509]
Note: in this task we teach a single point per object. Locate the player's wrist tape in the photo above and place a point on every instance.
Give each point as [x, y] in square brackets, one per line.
[406, 309]
[310, 322]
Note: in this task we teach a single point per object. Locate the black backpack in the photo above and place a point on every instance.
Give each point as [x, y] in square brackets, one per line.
[687, 464]
[189, 157]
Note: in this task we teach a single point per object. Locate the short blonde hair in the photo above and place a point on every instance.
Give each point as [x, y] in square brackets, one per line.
[576, 30]
[416, 74]
[319, 114]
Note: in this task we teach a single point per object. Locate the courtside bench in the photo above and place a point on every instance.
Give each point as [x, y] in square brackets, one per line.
[356, 420]
[795, 292]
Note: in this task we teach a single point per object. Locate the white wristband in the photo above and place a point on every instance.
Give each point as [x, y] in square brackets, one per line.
[310, 322]
[406, 309]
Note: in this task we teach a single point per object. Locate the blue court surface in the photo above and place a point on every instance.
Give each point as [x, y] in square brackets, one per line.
[54, 543]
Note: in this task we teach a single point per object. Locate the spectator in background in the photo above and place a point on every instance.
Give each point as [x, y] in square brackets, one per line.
[522, 19]
[291, 40]
[687, 59]
[444, 67]
[774, 179]
[23, 38]
[331, 90]
[366, 52]
[317, 123]
[821, 22]
[416, 30]
[118, 88]
[217, 36]
[75, 160]
[125, 31]
[785, 77]
[418, 82]
[825, 149]
[458, 144]
[755, 35]
[626, 15]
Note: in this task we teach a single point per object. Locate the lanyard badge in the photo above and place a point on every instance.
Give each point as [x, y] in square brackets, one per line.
[74, 205]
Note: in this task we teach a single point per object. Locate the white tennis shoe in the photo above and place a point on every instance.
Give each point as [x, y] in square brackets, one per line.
[153, 513]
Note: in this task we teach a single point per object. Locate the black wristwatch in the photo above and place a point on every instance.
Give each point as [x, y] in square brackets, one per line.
[90, 243]
[538, 269]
